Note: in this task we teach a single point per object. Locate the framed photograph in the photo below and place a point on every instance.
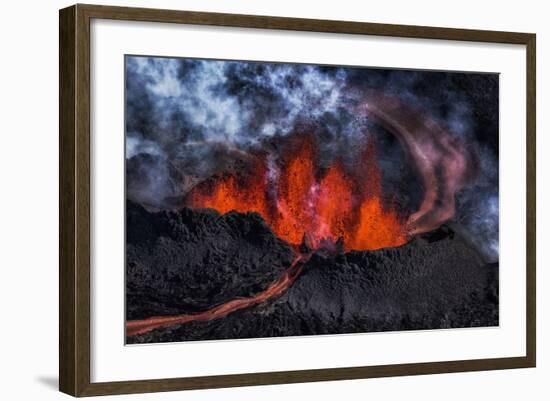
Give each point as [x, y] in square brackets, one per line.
[250, 200]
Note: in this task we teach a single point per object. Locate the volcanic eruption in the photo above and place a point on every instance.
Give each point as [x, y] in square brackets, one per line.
[300, 202]
[305, 231]
[332, 207]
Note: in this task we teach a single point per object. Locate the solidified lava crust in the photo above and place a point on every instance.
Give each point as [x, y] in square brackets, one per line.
[191, 260]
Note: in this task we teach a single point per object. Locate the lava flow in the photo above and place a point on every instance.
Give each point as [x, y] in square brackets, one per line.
[135, 327]
[298, 199]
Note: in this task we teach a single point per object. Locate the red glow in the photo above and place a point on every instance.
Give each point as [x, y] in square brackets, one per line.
[304, 201]
[377, 227]
[293, 216]
[229, 194]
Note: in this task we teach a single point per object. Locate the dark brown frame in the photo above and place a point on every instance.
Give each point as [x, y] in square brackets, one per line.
[74, 199]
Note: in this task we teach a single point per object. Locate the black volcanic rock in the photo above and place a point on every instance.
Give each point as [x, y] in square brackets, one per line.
[437, 280]
[191, 260]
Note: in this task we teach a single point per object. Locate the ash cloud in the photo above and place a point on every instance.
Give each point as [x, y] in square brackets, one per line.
[187, 119]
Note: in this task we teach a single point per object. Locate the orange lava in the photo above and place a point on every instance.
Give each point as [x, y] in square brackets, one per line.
[293, 216]
[376, 225]
[305, 200]
[229, 194]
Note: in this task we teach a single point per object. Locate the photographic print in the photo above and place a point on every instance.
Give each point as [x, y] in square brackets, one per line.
[276, 199]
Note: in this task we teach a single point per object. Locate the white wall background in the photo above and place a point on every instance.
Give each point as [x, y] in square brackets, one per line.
[29, 185]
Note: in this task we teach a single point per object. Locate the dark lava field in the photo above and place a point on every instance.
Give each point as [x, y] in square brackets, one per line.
[189, 261]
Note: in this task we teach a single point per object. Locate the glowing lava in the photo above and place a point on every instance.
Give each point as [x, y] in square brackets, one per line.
[304, 201]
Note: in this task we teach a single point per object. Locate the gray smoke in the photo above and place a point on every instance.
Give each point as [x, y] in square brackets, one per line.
[188, 119]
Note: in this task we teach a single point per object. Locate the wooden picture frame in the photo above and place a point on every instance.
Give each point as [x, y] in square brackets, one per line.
[74, 204]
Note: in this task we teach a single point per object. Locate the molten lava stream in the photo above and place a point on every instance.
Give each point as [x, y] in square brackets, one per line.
[134, 327]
